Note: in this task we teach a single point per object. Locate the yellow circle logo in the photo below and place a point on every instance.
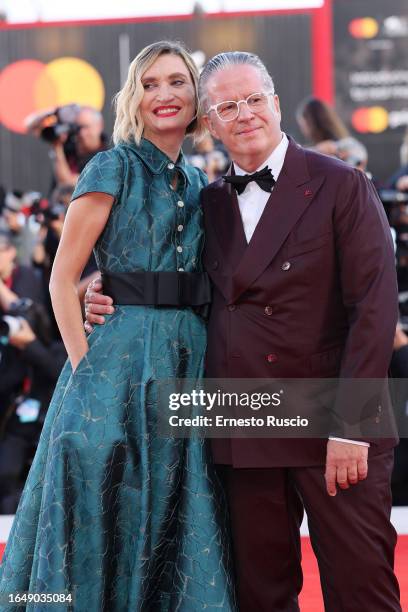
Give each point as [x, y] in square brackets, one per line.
[370, 120]
[367, 27]
[28, 86]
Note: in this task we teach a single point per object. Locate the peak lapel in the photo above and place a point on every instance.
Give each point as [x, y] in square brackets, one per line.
[293, 193]
[224, 222]
[227, 223]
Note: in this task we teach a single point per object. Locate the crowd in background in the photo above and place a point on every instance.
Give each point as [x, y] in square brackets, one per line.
[31, 351]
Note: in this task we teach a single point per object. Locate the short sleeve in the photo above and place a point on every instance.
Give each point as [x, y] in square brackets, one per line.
[103, 173]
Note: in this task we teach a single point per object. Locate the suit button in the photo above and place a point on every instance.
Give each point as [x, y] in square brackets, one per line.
[377, 419]
[268, 310]
[215, 265]
[232, 307]
[286, 265]
[272, 358]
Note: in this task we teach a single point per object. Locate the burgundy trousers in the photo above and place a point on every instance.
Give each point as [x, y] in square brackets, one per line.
[351, 535]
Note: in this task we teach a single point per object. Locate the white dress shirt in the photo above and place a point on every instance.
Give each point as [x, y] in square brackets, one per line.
[252, 202]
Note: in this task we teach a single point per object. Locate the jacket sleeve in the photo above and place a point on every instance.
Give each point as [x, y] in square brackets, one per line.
[370, 296]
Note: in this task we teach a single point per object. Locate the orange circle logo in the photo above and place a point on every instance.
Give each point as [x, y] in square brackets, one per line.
[28, 86]
[373, 119]
[367, 27]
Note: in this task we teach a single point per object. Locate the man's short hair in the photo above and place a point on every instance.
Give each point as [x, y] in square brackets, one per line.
[96, 114]
[224, 60]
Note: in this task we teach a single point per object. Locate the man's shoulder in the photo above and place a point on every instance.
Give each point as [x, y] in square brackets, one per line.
[339, 177]
[331, 166]
[213, 187]
[343, 184]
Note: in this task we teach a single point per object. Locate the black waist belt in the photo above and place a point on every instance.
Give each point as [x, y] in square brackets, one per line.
[158, 288]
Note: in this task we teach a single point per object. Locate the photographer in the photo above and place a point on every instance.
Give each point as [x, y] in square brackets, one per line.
[74, 133]
[30, 363]
[51, 215]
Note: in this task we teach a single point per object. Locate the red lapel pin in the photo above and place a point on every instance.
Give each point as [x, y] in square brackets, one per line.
[308, 192]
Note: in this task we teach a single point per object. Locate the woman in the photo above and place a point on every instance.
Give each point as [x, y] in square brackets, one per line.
[325, 131]
[111, 512]
[319, 122]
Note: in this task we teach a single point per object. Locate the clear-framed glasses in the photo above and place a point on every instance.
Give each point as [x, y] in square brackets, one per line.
[229, 109]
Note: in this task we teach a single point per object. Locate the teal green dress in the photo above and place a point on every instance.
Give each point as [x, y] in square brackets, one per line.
[120, 517]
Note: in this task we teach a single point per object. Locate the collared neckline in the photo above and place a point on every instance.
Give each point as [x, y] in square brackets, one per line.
[274, 161]
[156, 160]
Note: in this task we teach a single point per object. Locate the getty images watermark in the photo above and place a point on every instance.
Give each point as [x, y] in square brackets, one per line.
[272, 408]
[208, 401]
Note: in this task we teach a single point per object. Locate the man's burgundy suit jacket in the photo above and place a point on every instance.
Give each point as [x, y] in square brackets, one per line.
[313, 295]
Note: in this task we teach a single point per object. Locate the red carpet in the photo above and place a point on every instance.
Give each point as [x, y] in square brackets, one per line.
[311, 599]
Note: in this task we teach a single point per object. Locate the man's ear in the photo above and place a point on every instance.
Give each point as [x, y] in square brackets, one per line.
[276, 105]
[206, 119]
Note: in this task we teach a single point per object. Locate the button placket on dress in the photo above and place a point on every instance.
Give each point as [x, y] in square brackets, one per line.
[178, 199]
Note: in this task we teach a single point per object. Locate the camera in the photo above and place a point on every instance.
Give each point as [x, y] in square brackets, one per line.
[33, 313]
[61, 121]
[45, 212]
[33, 204]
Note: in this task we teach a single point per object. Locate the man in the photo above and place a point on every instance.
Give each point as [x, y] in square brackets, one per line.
[70, 155]
[304, 287]
[89, 141]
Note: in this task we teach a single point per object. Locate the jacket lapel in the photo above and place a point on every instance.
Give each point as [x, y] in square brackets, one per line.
[227, 223]
[293, 193]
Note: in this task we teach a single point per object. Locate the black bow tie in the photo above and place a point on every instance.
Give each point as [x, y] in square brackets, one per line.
[263, 178]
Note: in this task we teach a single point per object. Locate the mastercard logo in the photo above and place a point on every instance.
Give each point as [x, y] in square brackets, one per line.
[28, 86]
[373, 119]
[367, 27]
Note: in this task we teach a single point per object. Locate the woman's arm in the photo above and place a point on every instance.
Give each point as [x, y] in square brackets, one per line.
[85, 220]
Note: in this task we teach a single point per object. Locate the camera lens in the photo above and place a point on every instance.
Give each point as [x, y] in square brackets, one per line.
[52, 133]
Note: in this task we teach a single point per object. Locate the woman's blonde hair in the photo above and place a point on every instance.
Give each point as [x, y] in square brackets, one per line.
[129, 123]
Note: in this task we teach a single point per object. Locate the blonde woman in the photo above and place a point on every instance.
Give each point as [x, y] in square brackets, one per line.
[112, 515]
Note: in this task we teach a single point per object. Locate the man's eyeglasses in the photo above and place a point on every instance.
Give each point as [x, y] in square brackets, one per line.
[229, 110]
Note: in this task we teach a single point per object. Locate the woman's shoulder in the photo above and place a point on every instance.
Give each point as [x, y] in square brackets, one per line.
[130, 154]
[103, 173]
[197, 175]
[108, 159]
